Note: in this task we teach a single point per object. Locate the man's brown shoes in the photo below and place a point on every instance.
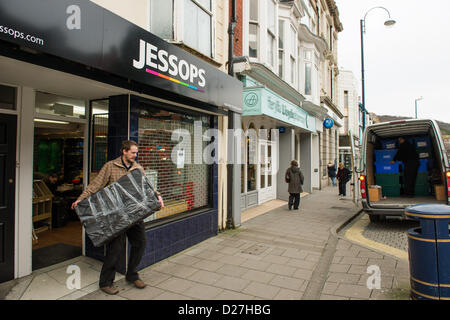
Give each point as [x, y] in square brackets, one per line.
[139, 284]
[113, 290]
[110, 290]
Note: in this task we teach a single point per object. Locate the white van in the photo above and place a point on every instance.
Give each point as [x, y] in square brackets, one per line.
[382, 183]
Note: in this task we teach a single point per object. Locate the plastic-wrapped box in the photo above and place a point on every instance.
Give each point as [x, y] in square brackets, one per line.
[117, 207]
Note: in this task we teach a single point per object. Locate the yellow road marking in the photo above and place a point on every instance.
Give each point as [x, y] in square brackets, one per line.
[355, 233]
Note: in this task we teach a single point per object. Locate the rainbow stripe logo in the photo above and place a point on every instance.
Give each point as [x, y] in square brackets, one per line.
[173, 80]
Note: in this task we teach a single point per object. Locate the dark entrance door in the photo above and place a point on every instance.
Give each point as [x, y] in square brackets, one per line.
[8, 134]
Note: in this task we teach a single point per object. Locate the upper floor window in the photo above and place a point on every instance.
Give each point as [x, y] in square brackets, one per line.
[161, 18]
[198, 18]
[293, 41]
[253, 29]
[310, 17]
[280, 48]
[271, 23]
[346, 102]
[308, 72]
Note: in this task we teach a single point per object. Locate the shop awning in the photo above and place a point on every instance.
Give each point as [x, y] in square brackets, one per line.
[262, 101]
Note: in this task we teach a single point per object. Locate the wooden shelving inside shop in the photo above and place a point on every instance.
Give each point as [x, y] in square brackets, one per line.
[42, 206]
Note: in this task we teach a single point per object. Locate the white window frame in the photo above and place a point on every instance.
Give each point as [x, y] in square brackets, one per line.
[282, 50]
[271, 36]
[149, 5]
[257, 23]
[178, 23]
[293, 54]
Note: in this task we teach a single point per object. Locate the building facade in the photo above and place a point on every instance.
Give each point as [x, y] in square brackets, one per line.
[348, 97]
[282, 94]
[77, 79]
[349, 134]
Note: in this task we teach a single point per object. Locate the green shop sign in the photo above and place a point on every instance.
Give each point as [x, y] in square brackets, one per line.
[259, 101]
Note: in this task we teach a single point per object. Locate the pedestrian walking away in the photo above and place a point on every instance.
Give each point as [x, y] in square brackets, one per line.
[408, 155]
[294, 178]
[111, 172]
[332, 173]
[343, 176]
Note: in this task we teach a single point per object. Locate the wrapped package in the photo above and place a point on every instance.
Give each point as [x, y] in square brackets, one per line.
[117, 207]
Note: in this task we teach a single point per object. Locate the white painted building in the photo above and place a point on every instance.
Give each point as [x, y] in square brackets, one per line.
[348, 97]
[276, 42]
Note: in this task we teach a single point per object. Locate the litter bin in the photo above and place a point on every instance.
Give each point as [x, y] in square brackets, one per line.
[429, 252]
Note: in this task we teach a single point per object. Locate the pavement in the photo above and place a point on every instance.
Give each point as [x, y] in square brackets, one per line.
[276, 254]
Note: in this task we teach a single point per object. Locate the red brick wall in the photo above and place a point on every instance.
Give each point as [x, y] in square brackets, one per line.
[237, 49]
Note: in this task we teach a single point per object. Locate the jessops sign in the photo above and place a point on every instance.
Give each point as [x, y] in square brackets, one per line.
[82, 31]
[159, 60]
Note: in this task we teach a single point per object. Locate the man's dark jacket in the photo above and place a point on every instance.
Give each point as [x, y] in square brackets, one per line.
[407, 154]
[343, 175]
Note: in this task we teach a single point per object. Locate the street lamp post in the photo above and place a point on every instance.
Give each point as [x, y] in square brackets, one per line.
[389, 22]
[418, 99]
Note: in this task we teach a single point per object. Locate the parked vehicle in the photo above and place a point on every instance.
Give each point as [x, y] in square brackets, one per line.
[382, 182]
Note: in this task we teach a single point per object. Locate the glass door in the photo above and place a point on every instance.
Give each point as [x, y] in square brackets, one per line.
[267, 176]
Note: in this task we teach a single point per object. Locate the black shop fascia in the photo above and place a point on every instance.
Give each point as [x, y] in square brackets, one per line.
[82, 38]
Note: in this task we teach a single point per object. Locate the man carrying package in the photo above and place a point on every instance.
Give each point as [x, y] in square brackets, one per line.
[111, 172]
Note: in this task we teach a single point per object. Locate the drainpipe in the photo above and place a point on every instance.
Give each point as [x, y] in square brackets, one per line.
[232, 25]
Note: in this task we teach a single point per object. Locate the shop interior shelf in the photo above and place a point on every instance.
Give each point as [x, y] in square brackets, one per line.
[42, 204]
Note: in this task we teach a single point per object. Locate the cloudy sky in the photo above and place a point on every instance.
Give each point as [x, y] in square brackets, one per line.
[402, 63]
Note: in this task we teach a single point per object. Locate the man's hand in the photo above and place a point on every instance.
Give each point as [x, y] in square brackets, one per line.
[392, 162]
[75, 204]
[161, 201]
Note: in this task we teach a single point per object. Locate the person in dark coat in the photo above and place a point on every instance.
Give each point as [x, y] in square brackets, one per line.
[408, 155]
[52, 182]
[332, 173]
[343, 176]
[294, 177]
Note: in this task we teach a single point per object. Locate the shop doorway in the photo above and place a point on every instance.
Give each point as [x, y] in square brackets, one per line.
[8, 134]
[58, 172]
[267, 173]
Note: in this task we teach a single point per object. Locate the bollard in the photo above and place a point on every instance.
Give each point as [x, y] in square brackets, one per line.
[429, 252]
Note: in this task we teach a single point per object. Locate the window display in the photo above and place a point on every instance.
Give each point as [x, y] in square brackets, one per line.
[183, 182]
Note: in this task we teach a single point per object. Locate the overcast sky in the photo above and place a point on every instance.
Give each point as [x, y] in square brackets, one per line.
[402, 63]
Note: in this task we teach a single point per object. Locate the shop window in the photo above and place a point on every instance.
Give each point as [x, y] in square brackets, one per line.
[161, 18]
[7, 98]
[177, 173]
[269, 164]
[99, 134]
[263, 156]
[243, 161]
[251, 158]
[50, 104]
[198, 25]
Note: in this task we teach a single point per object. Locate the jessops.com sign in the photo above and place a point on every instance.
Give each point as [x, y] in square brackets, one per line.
[82, 31]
